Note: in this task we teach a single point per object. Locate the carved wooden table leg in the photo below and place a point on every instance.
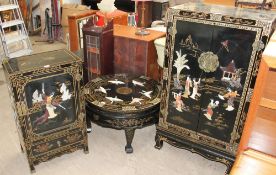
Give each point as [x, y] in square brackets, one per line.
[129, 137]
[158, 142]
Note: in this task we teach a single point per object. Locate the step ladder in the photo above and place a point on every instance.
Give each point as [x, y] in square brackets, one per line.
[14, 35]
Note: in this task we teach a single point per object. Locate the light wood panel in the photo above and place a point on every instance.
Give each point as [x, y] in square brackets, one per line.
[221, 2]
[254, 163]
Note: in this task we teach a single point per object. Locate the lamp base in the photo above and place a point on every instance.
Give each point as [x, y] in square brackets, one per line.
[142, 31]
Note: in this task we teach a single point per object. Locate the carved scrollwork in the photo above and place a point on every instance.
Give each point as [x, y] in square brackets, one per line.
[231, 19]
[43, 147]
[249, 94]
[78, 77]
[165, 73]
[129, 108]
[129, 122]
[256, 67]
[21, 108]
[72, 138]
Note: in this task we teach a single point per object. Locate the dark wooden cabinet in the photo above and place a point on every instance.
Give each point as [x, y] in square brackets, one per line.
[134, 54]
[48, 104]
[211, 62]
[98, 50]
[159, 9]
[144, 11]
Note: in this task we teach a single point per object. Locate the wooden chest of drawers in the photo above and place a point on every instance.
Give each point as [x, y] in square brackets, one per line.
[134, 54]
[48, 104]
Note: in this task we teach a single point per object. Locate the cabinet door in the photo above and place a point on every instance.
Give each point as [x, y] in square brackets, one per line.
[51, 103]
[186, 76]
[225, 88]
[210, 70]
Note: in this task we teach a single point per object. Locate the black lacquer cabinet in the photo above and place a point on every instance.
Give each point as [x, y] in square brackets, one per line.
[48, 103]
[211, 62]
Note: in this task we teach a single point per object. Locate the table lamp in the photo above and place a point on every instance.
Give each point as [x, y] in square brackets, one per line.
[142, 30]
[106, 7]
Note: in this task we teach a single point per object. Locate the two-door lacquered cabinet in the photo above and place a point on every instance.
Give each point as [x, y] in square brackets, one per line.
[48, 103]
[212, 57]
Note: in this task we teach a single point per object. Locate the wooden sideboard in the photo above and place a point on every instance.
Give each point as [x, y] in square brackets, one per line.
[75, 23]
[259, 134]
[135, 54]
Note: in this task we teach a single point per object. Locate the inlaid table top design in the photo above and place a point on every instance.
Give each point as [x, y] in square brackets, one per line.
[123, 102]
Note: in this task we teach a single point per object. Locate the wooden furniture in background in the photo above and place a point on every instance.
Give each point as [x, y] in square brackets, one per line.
[220, 2]
[260, 127]
[75, 23]
[144, 11]
[259, 4]
[119, 17]
[252, 162]
[135, 54]
[98, 50]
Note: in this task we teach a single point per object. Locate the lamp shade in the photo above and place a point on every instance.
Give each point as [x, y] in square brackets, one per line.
[107, 6]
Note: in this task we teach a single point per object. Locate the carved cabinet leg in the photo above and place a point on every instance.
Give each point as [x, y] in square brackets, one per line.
[88, 123]
[32, 168]
[22, 150]
[229, 165]
[86, 150]
[158, 142]
[129, 137]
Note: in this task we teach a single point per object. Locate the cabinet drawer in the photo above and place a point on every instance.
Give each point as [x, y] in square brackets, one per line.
[41, 147]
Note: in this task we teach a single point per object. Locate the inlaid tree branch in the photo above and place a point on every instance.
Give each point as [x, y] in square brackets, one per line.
[180, 63]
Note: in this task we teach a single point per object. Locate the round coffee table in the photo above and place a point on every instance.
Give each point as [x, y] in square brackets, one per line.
[122, 102]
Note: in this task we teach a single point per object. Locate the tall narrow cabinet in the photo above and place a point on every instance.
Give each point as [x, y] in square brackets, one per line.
[98, 42]
[211, 62]
[48, 104]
